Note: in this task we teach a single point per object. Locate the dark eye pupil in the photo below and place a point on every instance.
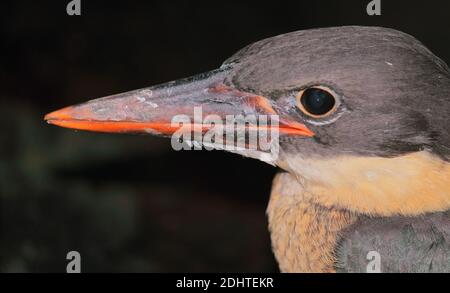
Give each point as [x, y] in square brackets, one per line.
[317, 101]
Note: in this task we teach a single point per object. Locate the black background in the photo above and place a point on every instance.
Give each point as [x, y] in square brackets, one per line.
[131, 203]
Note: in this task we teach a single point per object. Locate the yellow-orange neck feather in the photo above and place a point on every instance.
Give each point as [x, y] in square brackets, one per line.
[319, 198]
[412, 184]
[304, 234]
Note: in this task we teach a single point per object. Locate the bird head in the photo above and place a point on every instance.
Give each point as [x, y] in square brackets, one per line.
[362, 114]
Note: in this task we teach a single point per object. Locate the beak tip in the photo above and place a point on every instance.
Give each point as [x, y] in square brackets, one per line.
[61, 114]
[49, 121]
[48, 117]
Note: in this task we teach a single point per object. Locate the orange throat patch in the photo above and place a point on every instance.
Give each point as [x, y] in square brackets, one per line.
[412, 184]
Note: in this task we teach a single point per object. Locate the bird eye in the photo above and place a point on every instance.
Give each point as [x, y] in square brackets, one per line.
[316, 101]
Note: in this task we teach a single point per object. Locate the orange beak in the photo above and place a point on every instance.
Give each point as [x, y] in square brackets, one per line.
[151, 110]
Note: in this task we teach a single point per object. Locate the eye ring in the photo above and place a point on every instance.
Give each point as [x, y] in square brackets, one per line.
[317, 101]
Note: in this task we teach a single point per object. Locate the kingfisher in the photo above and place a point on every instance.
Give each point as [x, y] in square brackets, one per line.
[363, 142]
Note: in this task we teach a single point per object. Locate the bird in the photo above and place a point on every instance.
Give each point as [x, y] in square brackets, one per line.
[363, 181]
